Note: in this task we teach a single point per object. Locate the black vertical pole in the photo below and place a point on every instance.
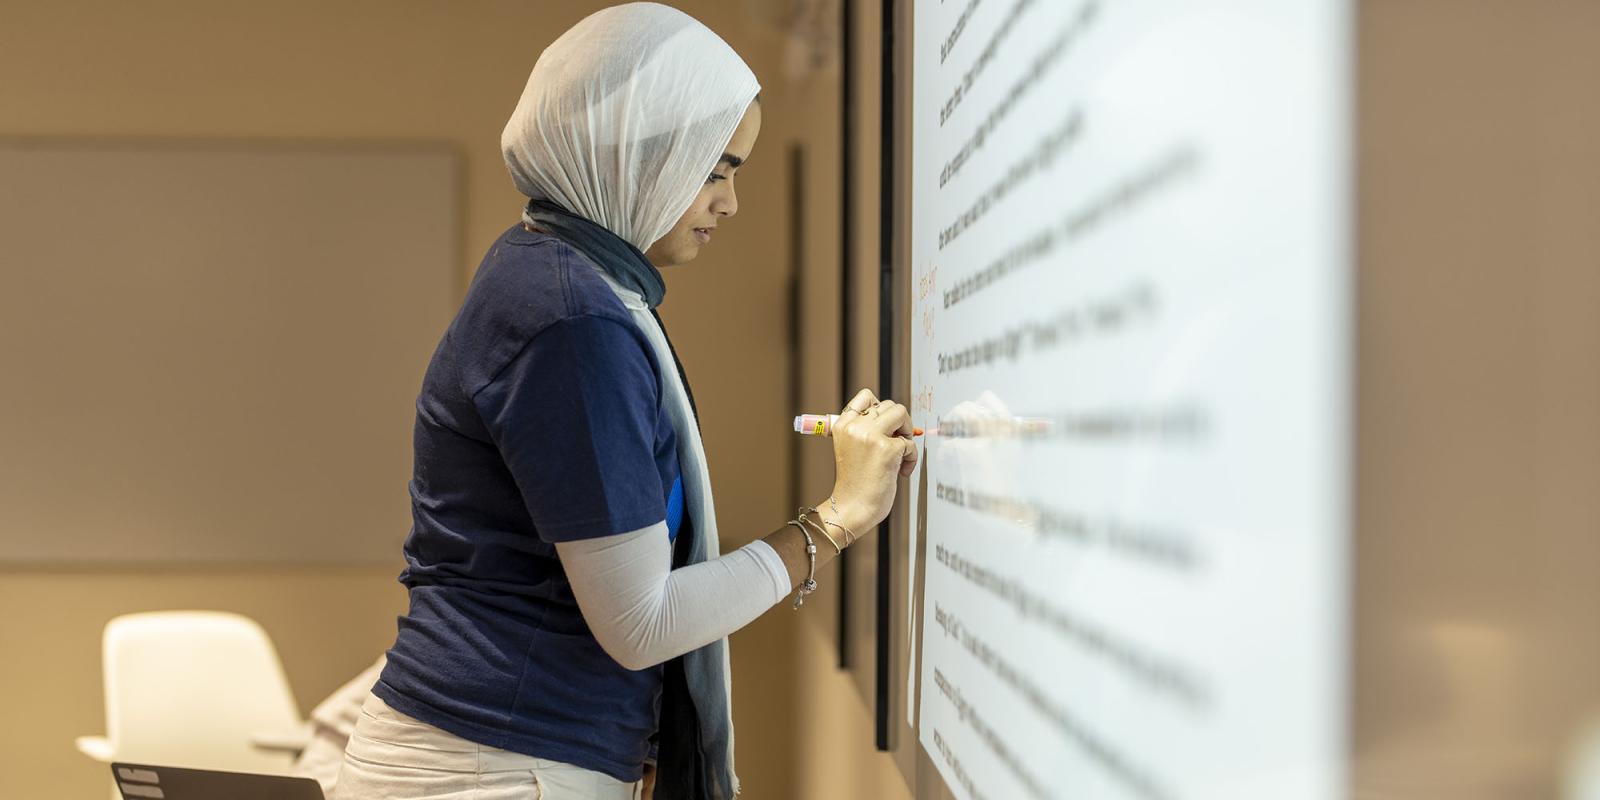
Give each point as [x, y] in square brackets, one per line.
[797, 254]
[847, 241]
[886, 360]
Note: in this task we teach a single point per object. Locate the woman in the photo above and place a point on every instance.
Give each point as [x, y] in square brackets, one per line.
[568, 606]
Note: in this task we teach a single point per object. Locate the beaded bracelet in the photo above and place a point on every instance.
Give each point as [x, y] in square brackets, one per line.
[808, 585]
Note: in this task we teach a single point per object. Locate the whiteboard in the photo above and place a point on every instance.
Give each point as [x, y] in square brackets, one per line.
[211, 352]
[1130, 339]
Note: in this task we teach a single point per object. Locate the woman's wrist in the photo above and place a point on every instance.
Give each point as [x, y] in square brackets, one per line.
[836, 514]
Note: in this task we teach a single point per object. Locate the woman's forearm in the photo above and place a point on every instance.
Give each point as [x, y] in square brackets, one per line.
[643, 612]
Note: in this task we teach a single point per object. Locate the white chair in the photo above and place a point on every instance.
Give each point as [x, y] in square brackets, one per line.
[194, 689]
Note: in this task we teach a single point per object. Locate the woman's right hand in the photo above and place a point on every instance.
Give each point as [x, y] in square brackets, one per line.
[872, 449]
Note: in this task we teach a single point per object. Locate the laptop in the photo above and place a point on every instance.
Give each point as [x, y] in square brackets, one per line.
[144, 782]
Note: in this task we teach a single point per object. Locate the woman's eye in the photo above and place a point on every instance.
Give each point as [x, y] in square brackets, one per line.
[714, 177]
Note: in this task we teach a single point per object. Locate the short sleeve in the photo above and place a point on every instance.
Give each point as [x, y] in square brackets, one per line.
[574, 416]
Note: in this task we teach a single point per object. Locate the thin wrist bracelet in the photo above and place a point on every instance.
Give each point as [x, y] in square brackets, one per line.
[850, 535]
[824, 531]
[808, 585]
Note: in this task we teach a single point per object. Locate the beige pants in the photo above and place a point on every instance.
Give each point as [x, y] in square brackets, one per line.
[391, 755]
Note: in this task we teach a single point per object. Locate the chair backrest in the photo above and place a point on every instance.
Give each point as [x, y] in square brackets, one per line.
[189, 688]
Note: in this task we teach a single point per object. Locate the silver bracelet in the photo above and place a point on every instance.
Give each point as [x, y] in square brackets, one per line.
[824, 531]
[850, 535]
[808, 585]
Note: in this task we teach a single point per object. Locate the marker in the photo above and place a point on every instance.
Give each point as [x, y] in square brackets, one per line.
[822, 425]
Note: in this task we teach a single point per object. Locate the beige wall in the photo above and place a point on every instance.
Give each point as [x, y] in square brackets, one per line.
[1476, 647]
[379, 71]
[837, 758]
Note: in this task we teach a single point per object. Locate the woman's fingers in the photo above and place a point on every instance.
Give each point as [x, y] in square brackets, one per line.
[857, 408]
[863, 400]
[905, 428]
[891, 419]
[885, 417]
[908, 461]
[871, 445]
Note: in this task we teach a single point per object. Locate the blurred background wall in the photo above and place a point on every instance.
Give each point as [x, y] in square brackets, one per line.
[1475, 663]
[1479, 244]
[446, 73]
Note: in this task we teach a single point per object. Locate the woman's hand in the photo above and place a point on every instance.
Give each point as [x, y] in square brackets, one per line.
[872, 448]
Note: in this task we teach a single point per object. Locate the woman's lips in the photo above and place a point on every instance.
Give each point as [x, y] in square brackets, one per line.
[703, 234]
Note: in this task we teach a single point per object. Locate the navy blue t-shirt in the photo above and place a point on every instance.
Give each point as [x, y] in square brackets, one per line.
[540, 420]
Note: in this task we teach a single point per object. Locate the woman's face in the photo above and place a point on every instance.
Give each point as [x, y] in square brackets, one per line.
[715, 202]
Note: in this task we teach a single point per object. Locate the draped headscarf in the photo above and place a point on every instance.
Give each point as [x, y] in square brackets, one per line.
[622, 119]
[625, 115]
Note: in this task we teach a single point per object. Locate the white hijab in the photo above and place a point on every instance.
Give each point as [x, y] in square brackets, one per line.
[625, 115]
[622, 119]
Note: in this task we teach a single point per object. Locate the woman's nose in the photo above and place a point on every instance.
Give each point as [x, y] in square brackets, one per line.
[726, 203]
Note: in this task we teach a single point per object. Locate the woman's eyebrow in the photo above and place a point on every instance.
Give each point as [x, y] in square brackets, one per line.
[732, 160]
